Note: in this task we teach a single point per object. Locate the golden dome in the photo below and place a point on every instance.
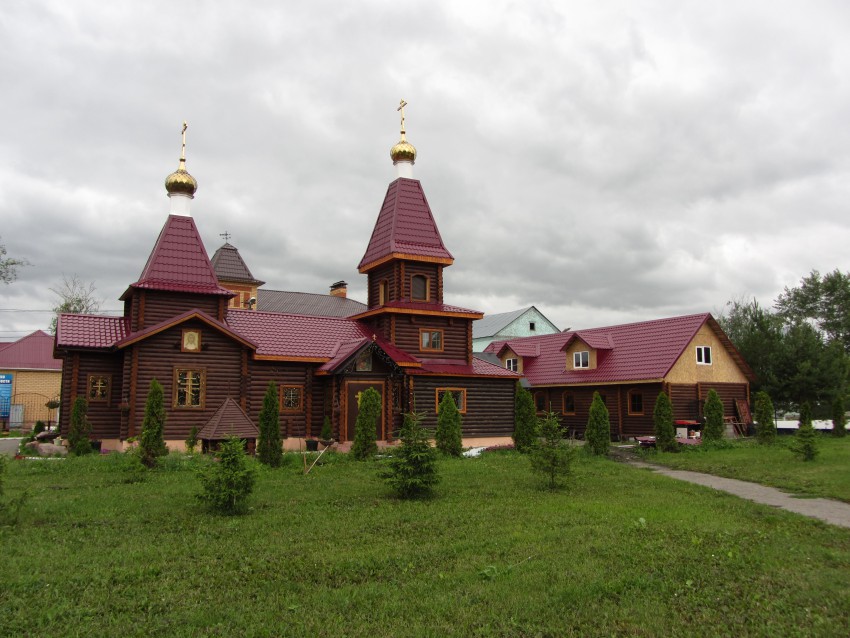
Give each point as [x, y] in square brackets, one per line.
[181, 182]
[404, 151]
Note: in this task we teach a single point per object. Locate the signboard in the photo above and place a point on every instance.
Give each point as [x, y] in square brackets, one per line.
[5, 394]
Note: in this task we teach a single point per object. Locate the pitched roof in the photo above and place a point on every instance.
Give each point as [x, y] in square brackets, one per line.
[478, 367]
[347, 350]
[90, 331]
[293, 336]
[194, 313]
[229, 420]
[638, 351]
[179, 261]
[405, 228]
[33, 352]
[306, 303]
[492, 324]
[228, 265]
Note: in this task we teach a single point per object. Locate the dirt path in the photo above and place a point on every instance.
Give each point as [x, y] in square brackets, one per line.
[833, 512]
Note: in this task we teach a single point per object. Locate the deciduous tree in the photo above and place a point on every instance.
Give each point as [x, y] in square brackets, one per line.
[75, 297]
[9, 266]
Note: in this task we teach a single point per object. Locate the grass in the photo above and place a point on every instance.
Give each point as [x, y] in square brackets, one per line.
[775, 465]
[99, 551]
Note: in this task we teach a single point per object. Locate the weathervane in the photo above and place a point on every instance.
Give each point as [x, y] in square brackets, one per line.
[401, 106]
[225, 235]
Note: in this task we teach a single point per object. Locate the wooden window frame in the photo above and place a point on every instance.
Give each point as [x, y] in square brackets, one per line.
[701, 352]
[437, 397]
[427, 281]
[629, 396]
[183, 347]
[202, 374]
[383, 292]
[515, 366]
[540, 393]
[108, 384]
[291, 386]
[564, 396]
[577, 357]
[431, 332]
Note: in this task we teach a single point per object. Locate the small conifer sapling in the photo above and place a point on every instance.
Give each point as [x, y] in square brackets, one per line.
[764, 418]
[525, 420]
[449, 434]
[412, 471]
[714, 428]
[269, 450]
[665, 432]
[151, 441]
[79, 431]
[552, 456]
[227, 484]
[805, 445]
[365, 428]
[597, 436]
[839, 417]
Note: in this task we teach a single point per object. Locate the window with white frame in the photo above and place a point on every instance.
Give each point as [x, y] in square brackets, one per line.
[581, 359]
[704, 355]
[512, 364]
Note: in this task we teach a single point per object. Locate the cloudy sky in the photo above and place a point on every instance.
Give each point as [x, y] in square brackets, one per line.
[607, 162]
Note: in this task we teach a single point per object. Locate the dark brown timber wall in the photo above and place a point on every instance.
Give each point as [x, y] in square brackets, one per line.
[489, 403]
[104, 416]
[455, 336]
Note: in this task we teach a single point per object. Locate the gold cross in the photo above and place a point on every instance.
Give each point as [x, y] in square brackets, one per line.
[183, 152]
[401, 106]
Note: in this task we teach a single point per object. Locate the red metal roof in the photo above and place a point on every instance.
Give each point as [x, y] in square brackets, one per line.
[638, 351]
[302, 336]
[478, 367]
[90, 331]
[33, 352]
[179, 261]
[405, 226]
[140, 335]
[229, 420]
[417, 307]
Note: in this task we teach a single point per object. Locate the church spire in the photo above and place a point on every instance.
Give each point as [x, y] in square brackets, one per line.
[403, 153]
[181, 186]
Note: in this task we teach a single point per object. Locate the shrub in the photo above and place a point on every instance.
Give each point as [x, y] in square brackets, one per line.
[327, 433]
[364, 446]
[151, 441]
[525, 420]
[665, 432]
[805, 443]
[839, 418]
[269, 450]
[764, 418]
[449, 434]
[192, 440]
[79, 431]
[39, 427]
[552, 456]
[597, 436]
[227, 484]
[412, 469]
[713, 411]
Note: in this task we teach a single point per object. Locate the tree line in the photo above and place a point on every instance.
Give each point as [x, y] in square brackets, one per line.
[799, 349]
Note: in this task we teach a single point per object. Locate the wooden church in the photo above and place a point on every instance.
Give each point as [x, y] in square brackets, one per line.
[205, 338]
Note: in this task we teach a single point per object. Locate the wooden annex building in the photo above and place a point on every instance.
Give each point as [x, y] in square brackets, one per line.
[200, 329]
[629, 365]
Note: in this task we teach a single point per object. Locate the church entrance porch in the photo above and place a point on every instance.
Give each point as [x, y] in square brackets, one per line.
[353, 391]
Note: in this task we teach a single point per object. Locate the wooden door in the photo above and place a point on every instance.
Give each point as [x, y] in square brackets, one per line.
[353, 389]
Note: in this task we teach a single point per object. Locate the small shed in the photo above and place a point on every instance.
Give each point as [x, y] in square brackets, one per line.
[229, 420]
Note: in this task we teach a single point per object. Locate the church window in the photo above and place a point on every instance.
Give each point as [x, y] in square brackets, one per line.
[459, 396]
[291, 398]
[431, 339]
[189, 388]
[419, 288]
[98, 387]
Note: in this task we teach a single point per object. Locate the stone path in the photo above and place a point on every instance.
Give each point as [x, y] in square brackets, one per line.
[833, 512]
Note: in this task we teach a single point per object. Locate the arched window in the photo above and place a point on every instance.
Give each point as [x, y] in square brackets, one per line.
[419, 288]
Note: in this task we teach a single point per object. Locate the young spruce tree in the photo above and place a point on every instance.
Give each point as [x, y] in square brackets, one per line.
[597, 436]
[713, 411]
[839, 417]
[151, 441]
[805, 446]
[552, 456]
[764, 418]
[226, 485]
[269, 450]
[365, 446]
[525, 420]
[449, 434]
[665, 432]
[412, 469]
[80, 428]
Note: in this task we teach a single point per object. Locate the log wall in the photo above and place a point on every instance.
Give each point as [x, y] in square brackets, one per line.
[489, 403]
[455, 336]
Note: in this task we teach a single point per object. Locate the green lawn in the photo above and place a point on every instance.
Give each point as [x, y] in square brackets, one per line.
[828, 475]
[622, 552]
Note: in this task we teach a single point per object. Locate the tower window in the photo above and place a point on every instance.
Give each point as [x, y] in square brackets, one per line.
[430, 339]
[419, 288]
[383, 292]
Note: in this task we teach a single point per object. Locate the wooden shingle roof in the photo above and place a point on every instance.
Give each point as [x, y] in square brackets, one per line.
[229, 420]
[229, 266]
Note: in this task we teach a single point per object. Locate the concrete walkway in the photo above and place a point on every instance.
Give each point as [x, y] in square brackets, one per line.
[833, 512]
